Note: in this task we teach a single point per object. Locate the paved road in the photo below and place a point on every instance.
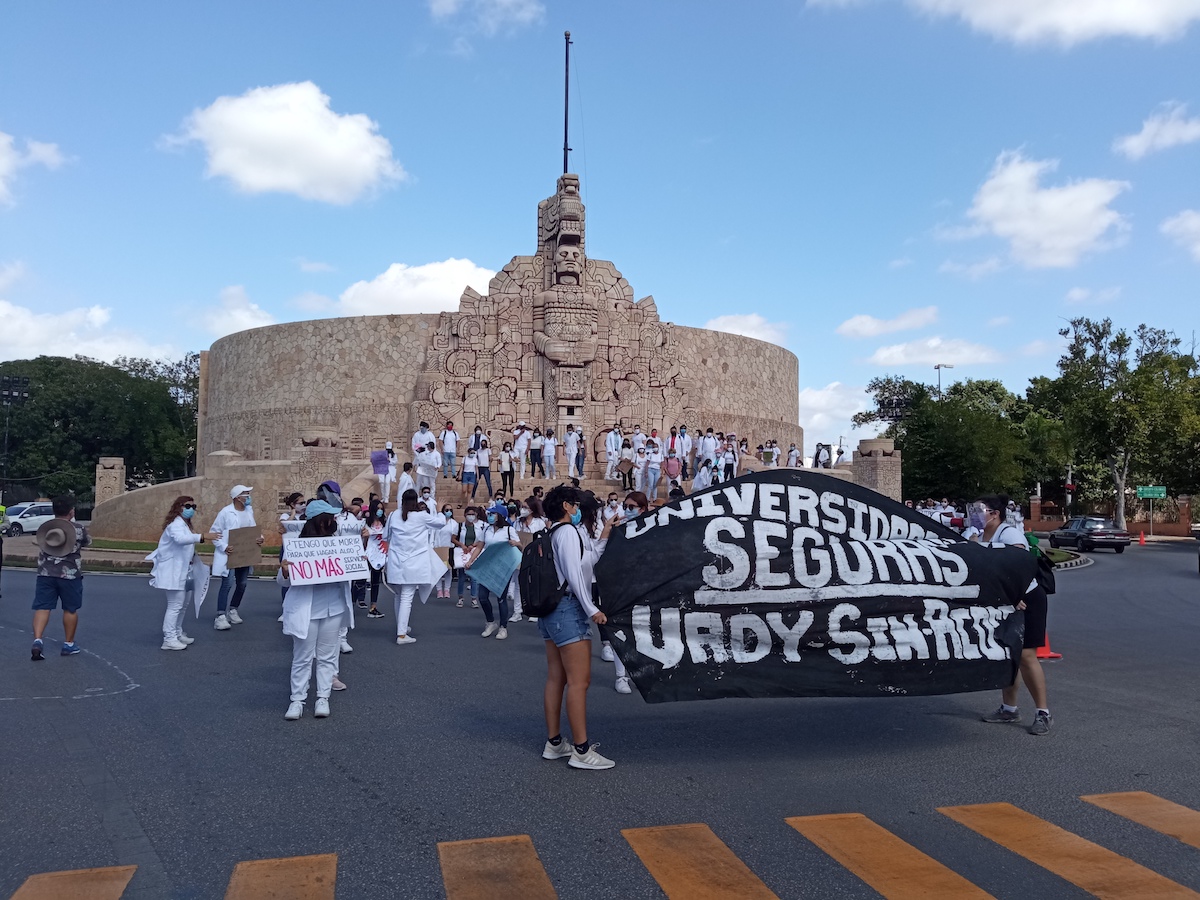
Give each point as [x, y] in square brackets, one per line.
[182, 763]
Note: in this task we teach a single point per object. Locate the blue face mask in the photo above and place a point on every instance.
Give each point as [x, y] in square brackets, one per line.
[447, 513]
[379, 513]
[249, 501]
[576, 517]
[492, 519]
[188, 513]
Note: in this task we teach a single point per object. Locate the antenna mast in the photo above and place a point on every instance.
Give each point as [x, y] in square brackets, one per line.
[566, 98]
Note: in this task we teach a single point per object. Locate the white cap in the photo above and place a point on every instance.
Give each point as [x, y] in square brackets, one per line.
[521, 424]
[238, 489]
[388, 445]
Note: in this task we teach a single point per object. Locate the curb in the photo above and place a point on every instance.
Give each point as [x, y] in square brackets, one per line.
[1079, 562]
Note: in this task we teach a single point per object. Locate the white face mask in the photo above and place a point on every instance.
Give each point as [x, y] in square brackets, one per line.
[524, 512]
[471, 518]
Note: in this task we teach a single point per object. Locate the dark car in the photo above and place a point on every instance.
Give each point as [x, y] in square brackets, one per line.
[1090, 532]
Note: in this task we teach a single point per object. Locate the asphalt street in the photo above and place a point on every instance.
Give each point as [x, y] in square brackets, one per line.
[182, 763]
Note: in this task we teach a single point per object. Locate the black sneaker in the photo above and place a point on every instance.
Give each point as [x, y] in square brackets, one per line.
[36, 652]
[374, 614]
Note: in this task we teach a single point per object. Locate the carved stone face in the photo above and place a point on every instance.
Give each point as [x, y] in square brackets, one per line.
[568, 264]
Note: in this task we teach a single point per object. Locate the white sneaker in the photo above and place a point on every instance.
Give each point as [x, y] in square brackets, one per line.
[184, 638]
[562, 751]
[606, 653]
[490, 630]
[405, 639]
[321, 710]
[173, 644]
[502, 633]
[624, 685]
[234, 617]
[516, 618]
[222, 624]
[589, 760]
[295, 711]
[346, 648]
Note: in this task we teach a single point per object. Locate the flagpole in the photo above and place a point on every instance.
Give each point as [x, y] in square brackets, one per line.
[566, 98]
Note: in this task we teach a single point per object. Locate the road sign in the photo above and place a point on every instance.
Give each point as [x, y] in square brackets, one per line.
[1152, 492]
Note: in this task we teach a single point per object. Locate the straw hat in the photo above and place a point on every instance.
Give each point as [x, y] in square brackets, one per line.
[56, 537]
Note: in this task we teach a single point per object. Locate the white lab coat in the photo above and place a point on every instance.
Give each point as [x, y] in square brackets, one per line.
[227, 519]
[411, 557]
[173, 557]
[612, 444]
[297, 609]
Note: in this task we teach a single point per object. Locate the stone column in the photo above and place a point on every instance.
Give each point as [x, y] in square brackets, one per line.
[110, 478]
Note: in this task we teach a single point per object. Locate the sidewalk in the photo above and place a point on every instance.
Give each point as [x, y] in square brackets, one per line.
[21, 552]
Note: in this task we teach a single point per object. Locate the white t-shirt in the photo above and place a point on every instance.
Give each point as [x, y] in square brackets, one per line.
[637, 439]
[570, 442]
[450, 441]
[483, 456]
[420, 439]
[521, 439]
[550, 446]
[470, 463]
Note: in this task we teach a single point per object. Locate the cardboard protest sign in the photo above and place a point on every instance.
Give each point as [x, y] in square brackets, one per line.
[243, 549]
[321, 560]
[790, 583]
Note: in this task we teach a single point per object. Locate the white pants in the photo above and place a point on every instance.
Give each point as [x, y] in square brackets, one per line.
[385, 487]
[514, 595]
[322, 645]
[426, 481]
[403, 606]
[610, 469]
[173, 620]
[551, 466]
[523, 454]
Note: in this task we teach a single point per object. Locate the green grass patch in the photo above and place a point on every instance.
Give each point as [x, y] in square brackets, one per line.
[1058, 556]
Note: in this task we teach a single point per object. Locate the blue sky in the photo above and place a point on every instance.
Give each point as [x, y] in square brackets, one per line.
[878, 185]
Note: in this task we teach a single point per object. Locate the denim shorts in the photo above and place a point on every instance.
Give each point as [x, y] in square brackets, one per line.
[48, 591]
[567, 624]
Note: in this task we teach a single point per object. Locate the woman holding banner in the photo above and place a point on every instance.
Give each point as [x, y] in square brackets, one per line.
[314, 614]
[595, 529]
[496, 531]
[172, 565]
[413, 567]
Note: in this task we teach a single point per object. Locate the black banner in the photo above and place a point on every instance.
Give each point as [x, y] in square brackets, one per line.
[791, 583]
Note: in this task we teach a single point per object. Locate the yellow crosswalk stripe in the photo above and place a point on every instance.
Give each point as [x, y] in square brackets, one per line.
[893, 867]
[81, 884]
[1097, 870]
[689, 862]
[502, 868]
[1154, 812]
[289, 878]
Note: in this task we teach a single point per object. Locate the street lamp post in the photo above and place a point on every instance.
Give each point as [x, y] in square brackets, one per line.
[14, 389]
[939, 368]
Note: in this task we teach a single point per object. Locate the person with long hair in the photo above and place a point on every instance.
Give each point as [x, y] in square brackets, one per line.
[413, 567]
[172, 565]
[496, 531]
[483, 456]
[566, 632]
[444, 540]
[636, 503]
[314, 616]
[463, 538]
[508, 466]
[595, 529]
[626, 455]
[376, 548]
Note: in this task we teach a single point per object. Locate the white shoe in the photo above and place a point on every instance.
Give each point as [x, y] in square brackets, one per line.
[606, 653]
[337, 684]
[502, 633]
[222, 624]
[562, 751]
[516, 618]
[405, 639]
[490, 630]
[183, 638]
[624, 685]
[295, 711]
[234, 617]
[321, 710]
[346, 648]
[173, 644]
[589, 760]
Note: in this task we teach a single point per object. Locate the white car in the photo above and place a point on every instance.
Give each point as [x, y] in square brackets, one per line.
[27, 518]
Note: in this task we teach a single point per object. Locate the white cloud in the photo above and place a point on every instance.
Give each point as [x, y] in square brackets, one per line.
[308, 265]
[491, 16]
[234, 312]
[933, 350]
[1080, 295]
[1046, 227]
[864, 326]
[311, 301]
[901, 263]
[1069, 22]
[432, 287]
[11, 273]
[999, 321]
[750, 325]
[825, 413]
[1037, 348]
[12, 160]
[287, 139]
[1184, 229]
[84, 331]
[974, 271]
[1169, 127]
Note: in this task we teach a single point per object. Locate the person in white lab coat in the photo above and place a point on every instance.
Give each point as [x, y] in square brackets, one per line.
[314, 615]
[612, 451]
[172, 564]
[413, 567]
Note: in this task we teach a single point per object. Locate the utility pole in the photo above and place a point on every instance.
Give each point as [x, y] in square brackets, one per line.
[939, 368]
[566, 100]
[13, 389]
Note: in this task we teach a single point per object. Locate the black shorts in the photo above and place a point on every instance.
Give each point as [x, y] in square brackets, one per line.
[1036, 605]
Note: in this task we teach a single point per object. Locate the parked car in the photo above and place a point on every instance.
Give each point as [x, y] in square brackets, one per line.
[27, 518]
[1090, 532]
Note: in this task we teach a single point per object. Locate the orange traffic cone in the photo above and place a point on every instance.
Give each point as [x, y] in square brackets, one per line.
[1142, 538]
[1044, 651]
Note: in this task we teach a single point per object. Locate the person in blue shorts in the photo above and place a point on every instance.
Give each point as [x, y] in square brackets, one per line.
[59, 578]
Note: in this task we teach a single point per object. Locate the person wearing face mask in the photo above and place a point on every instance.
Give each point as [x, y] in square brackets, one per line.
[496, 531]
[636, 503]
[406, 482]
[238, 514]
[465, 537]
[637, 439]
[641, 463]
[443, 542]
[570, 444]
[612, 509]
[706, 449]
[376, 548]
[703, 477]
[686, 452]
[413, 568]
[550, 454]
[654, 462]
[580, 455]
[508, 465]
[672, 466]
[521, 440]
[483, 460]
[172, 564]
[613, 444]
[388, 478]
[626, 464]
[428, 462]
[469, 476]
[422, 439]
[793, 456]
[537, 444]
[427, 500]
[989, 528]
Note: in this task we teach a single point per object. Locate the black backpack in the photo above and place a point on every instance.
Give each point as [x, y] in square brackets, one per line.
[541, 591]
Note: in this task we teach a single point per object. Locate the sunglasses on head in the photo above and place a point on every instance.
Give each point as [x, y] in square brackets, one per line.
[190, 506]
